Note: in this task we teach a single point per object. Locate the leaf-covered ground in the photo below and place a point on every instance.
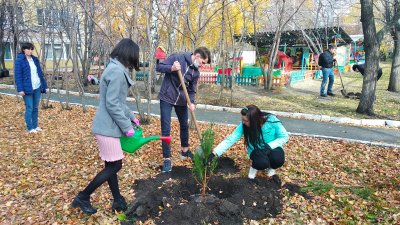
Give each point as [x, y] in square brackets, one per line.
[41, 173]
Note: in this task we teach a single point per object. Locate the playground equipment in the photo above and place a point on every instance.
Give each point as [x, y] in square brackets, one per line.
[132, 144]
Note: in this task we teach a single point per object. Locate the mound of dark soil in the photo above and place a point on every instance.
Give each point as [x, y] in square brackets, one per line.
[172, 198]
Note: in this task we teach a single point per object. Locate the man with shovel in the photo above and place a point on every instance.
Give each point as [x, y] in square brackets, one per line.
[325, 61]
[172, 96]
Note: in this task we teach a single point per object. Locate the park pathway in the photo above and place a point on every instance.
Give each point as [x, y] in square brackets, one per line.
[361, 134]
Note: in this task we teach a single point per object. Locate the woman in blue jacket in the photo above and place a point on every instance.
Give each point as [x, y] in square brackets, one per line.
[264, 137]
[30, 84]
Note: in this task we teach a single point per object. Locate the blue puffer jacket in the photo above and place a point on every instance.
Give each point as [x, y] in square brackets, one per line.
[171, 90]
[22, 74]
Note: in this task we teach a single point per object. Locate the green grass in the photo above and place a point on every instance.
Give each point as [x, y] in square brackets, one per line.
[362, 192]
[303, 97]
[377, 208]
[318, 186]
[350, 170]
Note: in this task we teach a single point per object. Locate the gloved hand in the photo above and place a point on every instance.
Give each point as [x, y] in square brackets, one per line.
[130, 133]
[210, 158]
[136, 121]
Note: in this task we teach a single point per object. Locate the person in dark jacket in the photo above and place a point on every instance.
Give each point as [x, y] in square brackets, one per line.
[171, 96]
[361, 68]
[325, 61]
[30, 83]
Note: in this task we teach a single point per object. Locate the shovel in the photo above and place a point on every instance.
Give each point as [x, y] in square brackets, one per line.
[343, 91]
[188, 103]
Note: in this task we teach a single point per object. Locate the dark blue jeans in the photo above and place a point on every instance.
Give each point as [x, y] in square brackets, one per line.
[327, 73]
[32, 109]
[182, 114]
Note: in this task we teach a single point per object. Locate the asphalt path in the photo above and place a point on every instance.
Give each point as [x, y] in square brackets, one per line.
[363, 134]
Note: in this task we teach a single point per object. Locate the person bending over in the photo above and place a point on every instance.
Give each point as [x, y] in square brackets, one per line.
[361, 68]
[264, 137]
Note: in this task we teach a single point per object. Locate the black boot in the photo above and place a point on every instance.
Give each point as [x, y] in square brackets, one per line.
[85, 205]
[119, 204]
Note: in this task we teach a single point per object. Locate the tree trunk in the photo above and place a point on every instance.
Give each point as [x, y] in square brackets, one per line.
[175, 18]
[88, 24]
[274, 49]
[153, 42]
[394, 81]
[371, 46]
[135, 30]
[75, 59]
[222, 51]
[272, 59]
[15, 28]
[2, 24]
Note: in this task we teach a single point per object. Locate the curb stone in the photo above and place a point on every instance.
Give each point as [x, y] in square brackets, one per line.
[291, 133]
[315, 117]
[373, 122]
[392, 123]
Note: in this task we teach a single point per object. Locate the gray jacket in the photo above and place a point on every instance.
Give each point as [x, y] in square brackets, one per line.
[113, 117]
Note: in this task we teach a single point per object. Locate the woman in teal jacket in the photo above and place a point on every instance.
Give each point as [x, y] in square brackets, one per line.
[264, 137]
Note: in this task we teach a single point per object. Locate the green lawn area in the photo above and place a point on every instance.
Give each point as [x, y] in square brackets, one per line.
[303, 97]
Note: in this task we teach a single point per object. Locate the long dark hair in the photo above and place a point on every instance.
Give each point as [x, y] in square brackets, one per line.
[253, 133]
[127, 53]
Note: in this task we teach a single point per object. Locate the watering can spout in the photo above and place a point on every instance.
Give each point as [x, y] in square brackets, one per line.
[166, 139]
[145, 140]
[134, 143]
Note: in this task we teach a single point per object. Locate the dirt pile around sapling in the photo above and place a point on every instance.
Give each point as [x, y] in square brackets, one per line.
[169, 198]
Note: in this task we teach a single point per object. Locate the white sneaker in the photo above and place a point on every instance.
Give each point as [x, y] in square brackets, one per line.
[38, 129]
[271, 172]
[32, 131]
[252, 173]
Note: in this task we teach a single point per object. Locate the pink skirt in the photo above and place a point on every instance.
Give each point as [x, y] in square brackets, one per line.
[110, 148]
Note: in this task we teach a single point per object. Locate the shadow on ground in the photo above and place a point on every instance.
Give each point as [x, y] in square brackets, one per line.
[169, 198]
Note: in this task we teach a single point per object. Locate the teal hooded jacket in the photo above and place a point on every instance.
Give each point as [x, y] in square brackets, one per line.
[274, 134]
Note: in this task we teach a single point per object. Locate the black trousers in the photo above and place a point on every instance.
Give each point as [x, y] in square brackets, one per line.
[265, 158]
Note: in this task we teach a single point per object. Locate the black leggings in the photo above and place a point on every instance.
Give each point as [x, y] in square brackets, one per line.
[277, 158]
[109, 174]
[264, 159]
